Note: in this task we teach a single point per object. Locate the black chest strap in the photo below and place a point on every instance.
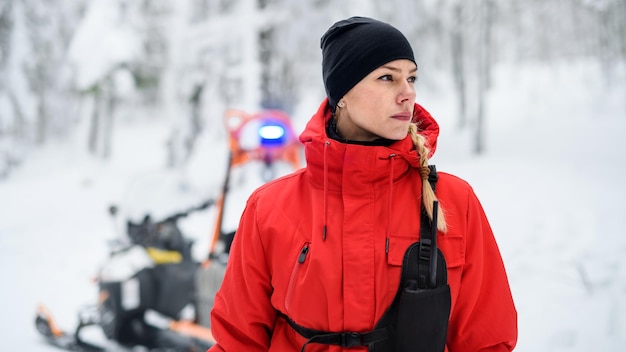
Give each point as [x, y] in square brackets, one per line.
[343, 339]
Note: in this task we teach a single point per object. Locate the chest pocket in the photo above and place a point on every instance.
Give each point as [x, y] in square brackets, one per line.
[451, 245]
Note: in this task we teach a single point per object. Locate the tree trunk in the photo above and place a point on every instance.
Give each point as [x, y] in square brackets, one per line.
[95, 122]
[458, 67]
[108, 119]
[42, 117]
[484, 68]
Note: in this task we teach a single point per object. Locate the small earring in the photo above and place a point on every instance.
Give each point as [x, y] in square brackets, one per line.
[341, 104]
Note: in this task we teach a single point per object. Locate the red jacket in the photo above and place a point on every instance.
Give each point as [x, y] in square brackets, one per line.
[312, 245]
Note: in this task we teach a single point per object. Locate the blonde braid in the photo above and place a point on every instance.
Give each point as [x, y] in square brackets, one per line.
[428, 194]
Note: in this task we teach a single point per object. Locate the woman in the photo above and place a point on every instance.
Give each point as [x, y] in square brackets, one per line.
[321, 251]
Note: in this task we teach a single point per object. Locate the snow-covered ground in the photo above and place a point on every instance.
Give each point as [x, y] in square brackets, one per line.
[551, 182]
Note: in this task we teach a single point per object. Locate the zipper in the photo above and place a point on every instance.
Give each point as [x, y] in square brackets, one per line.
[294, 274]
[303, 252]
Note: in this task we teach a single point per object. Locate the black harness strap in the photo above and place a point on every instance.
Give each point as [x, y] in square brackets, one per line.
[428, 240]
[433, 177]
[343, 339]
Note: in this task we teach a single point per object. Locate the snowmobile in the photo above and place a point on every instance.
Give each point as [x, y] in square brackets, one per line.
[146, 293]
[152, 293]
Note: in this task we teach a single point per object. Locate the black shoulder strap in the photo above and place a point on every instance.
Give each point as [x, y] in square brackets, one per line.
[427, 267]
[433, 177]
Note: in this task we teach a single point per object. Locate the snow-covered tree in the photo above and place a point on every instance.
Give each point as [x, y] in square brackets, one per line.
[34, 101]
[188, 61]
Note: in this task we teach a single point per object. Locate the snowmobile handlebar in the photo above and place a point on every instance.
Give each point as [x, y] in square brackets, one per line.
[204, 205]
[113, 210]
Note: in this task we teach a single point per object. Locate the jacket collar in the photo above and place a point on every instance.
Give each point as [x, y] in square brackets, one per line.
[331, 161]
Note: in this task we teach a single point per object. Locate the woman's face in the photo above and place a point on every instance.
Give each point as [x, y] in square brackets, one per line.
[380, 105]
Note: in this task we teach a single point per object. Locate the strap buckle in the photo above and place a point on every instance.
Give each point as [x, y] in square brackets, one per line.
[351, 339]
[425, 249]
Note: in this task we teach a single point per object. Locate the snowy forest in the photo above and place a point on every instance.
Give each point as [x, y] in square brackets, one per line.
[122, 102]
[84, 66]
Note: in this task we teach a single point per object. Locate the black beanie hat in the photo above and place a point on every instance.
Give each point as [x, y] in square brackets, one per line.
[354, 47]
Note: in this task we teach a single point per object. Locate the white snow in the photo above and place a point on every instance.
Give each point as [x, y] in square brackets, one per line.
[551, 182]
[103, 41]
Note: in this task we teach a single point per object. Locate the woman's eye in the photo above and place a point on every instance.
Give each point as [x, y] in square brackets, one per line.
[390, 78]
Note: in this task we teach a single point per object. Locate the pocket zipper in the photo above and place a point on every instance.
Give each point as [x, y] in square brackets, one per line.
[303, 252]
[294, 274]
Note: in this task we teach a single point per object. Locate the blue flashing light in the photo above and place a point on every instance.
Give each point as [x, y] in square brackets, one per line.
[272, 133]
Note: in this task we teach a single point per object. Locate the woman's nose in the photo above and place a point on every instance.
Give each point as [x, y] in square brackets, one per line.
[407, 92]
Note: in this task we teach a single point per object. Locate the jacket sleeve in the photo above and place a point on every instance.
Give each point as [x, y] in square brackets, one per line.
[242, 318]
[484, 318]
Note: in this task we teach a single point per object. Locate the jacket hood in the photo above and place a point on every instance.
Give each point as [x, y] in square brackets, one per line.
[357, 174]
[316, 130]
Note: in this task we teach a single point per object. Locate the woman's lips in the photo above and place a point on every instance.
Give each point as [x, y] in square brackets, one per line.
[404, 116]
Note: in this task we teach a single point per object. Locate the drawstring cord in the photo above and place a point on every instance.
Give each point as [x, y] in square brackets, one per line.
[326, 145]
[389, 203]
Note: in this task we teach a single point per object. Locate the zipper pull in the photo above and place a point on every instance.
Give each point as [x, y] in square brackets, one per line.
[303, 253]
